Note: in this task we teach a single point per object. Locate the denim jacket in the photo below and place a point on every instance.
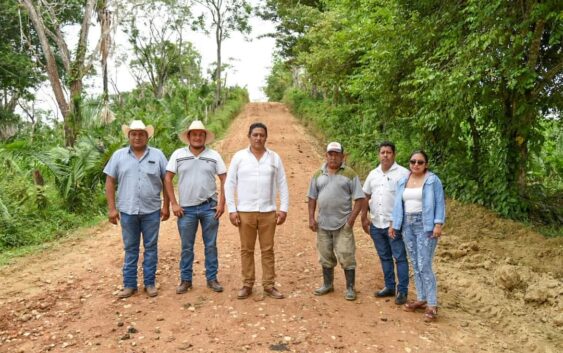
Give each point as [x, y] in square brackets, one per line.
[433, 203]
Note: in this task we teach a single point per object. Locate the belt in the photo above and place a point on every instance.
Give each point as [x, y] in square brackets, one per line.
[206, 201]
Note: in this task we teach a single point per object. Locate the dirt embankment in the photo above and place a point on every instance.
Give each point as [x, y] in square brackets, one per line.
[500, 286]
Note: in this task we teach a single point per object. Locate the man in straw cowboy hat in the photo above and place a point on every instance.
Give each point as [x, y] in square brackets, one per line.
[196, 166]
[138, 170]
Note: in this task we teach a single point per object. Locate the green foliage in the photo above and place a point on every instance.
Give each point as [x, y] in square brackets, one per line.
[278, 81]
[18, 72]
[476, 84]
[46, 189]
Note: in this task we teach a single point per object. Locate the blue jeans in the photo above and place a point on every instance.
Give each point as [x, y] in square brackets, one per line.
[421, 247]
[187, 227]
[388, 250]
[132, 226]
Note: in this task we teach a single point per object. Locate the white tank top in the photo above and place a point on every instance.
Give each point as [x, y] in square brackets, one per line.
[412, 197]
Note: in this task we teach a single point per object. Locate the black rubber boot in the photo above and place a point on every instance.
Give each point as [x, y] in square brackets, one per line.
[328, 278]
[350, 281]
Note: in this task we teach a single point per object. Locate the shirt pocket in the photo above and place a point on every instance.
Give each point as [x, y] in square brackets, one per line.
[151, 169]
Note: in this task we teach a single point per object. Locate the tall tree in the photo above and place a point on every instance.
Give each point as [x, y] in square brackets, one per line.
[293, 19]
[47, 19]
[225, 16]
[161, 52]
[18, 73]
[473, 82]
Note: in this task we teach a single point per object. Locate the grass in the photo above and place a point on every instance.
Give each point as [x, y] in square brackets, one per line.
[7, 256]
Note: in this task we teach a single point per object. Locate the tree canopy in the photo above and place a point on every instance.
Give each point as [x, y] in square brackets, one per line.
[477, 84]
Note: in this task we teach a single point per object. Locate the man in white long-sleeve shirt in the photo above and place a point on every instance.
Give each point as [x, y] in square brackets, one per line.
[256, 174]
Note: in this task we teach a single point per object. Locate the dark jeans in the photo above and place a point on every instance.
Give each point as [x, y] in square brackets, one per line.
[187, 227]
[132, 226]
[388, 250]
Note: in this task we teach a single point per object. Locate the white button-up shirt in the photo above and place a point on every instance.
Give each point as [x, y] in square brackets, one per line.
[382, 188]
[256, 183]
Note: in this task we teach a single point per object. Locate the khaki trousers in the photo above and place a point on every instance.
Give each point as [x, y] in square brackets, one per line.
[263, 225]
[337, 245]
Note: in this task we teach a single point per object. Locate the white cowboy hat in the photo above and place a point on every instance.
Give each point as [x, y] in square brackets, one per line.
[137, 125]
[196, 125]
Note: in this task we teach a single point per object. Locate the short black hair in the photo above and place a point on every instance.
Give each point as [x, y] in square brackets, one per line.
[257, 126]
[387, 144]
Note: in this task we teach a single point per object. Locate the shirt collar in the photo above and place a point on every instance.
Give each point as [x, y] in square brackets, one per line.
[325, 168]
[147, 150]
[266, 148]
[393, 167]
[192, 154]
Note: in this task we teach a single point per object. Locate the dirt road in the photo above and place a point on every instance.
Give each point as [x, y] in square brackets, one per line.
[500, 286]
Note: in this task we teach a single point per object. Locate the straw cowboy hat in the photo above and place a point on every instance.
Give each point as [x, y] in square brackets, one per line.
[196, 125]
[137, 125]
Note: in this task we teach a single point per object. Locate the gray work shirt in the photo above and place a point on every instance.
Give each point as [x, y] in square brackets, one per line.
[196, 174]
[139, 181]
[334, 195]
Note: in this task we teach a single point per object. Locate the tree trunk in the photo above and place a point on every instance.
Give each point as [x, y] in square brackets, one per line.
[51, 65]
[70, 111]
[218, 39]
[475, 150]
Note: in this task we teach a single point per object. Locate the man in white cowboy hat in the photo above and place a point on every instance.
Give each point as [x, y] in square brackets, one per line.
[138, 170]
[196, 166]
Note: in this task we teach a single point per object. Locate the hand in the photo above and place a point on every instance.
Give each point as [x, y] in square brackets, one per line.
[351, 222]
[164, 213]
[280, 217]
[313, 225]
[113, 216]
[365, 224]
[391, 232]
[437, 232]
[234, 218]
[219, 210]
[178, 211]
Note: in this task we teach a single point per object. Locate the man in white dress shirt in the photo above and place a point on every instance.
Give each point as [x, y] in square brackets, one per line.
[380, 187]
[256, 174]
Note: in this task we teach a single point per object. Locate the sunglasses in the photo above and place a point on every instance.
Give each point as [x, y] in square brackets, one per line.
[415, 161]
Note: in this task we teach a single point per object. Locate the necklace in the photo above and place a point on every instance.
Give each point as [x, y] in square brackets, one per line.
[417, 182]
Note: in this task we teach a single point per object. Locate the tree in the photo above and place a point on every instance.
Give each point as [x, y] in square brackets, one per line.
[226, 16]
[471, 82]
[293, 19]
[278, 81]
[64, 70]
[18, 73]
[160, 51]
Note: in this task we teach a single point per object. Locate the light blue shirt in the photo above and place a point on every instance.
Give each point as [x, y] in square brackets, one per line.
[433, 203]
[139, 181]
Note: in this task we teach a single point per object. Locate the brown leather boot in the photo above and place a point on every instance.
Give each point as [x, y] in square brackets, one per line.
[151, 291]
[127, 292]
[184, 287]
[215, 286]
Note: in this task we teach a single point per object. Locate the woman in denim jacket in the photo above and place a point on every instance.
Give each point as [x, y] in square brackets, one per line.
[420, 212]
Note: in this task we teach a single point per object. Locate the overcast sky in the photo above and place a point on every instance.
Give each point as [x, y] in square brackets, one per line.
[250, 60]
